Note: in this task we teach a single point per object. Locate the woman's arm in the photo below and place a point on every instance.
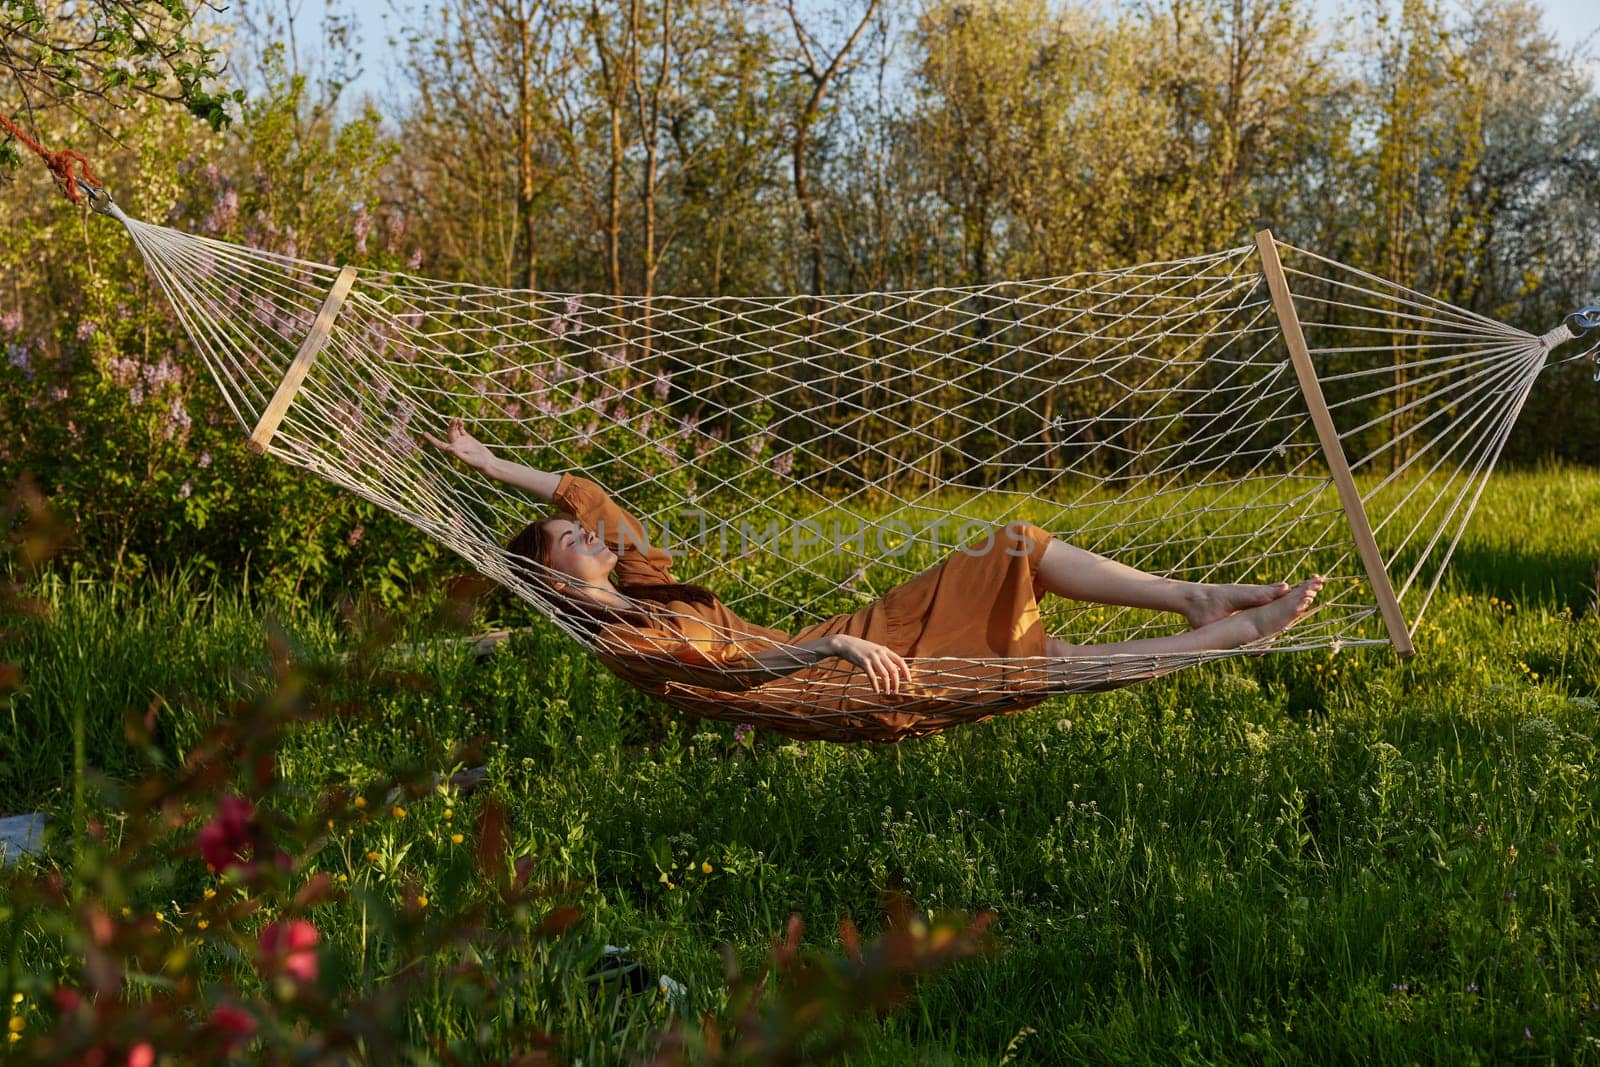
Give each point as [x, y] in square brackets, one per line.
[883, 665]
[476, 454]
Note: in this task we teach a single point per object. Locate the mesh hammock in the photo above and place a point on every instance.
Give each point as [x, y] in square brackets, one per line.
[1253, 414]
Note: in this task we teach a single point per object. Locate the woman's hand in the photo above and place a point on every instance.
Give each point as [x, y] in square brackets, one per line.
[883, 665]
[462, 445]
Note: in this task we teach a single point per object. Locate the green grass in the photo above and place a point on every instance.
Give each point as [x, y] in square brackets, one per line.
[1241, 863]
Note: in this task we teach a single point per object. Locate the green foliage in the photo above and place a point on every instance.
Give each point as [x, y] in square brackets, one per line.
[1312, 856]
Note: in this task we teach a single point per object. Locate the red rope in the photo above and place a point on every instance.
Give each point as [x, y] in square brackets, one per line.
[60, 163]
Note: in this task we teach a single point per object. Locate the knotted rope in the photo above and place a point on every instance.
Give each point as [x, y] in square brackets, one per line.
[60, 163]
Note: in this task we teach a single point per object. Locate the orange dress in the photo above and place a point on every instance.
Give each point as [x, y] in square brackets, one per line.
[980, 603]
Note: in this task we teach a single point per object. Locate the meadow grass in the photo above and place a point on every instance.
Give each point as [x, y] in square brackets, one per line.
[1292, 858]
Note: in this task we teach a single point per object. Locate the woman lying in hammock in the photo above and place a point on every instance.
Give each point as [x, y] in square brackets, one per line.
[980, 602]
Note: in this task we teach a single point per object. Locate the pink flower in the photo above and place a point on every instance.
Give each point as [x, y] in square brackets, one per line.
[222, 838]
[362, 227]
[355, 535]
[86, 329]
[142, 1055]
[287, 948]
[234, 1024]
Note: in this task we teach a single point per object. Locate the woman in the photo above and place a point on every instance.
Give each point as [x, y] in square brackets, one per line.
[982, 604]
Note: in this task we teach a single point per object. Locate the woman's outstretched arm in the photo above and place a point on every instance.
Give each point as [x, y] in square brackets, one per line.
[474, 453]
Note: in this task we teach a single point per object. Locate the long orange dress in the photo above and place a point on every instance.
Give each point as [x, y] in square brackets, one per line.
[980, 603]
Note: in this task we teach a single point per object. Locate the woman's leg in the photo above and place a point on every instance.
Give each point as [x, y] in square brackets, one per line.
[1231, 631]
[1079, 574]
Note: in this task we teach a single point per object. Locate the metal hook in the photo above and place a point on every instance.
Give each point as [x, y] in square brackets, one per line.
[99, 197]
[1583, 320]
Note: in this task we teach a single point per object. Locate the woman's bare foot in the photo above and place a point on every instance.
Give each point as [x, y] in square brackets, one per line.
[1273, 617]
[1205, 604]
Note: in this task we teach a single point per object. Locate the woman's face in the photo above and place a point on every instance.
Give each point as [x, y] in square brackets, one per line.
[576, 551]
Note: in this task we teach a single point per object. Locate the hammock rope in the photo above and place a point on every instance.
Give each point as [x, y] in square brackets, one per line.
[1164, 414]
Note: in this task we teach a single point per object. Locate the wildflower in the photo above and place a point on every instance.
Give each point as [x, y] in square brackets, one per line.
[449, 813]
[416, 259]
[398, 812]
[361, 802]
[126, 912]
[362, 227]
[11, 321]
[784, 463]
[422, 902]
[742, 731]
[343, 879]
[1511, 853]
[663, 385]
[1509, 894]
[455, 839]
[705, 867]
[209, 893]
[86, 329]
[204, 460]
[233, 1024]
[202, 924]
[224, 212]
[186, 489]
[373, 856]
[1527, 1033]
[287, 948]
[223, 837]
[142, 1055]
[1472, 987]
[16, 998]
[17, 1024]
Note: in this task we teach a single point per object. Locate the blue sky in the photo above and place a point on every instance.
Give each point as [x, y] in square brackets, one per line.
[1575, 22]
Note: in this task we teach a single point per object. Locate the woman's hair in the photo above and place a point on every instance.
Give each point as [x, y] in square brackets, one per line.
[532, 544]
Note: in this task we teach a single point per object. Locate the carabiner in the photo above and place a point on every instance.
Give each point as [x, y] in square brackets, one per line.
[1583, 320]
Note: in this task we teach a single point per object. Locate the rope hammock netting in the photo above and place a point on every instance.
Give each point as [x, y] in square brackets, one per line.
[1248, 415]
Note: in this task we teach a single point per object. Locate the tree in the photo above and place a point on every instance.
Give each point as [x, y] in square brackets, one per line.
[82, 57]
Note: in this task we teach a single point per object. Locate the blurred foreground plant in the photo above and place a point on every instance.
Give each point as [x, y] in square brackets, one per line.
[258, 952]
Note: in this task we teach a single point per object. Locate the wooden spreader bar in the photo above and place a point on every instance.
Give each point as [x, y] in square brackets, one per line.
[1367, 545]
[314, 343]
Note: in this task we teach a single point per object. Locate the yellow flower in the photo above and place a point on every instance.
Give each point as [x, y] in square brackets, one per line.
[330, 824]
[705, 867]
[202, 924]
[455, 839]
[671, 886]
[160, 917]
[398, 812]
[16, 998]
[13, 1038]
[125, 913]
[209, 893]
[17, 1024]
[361, 802]
[422, 902]
[342, 878]
[373, 856]
[449, 813]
